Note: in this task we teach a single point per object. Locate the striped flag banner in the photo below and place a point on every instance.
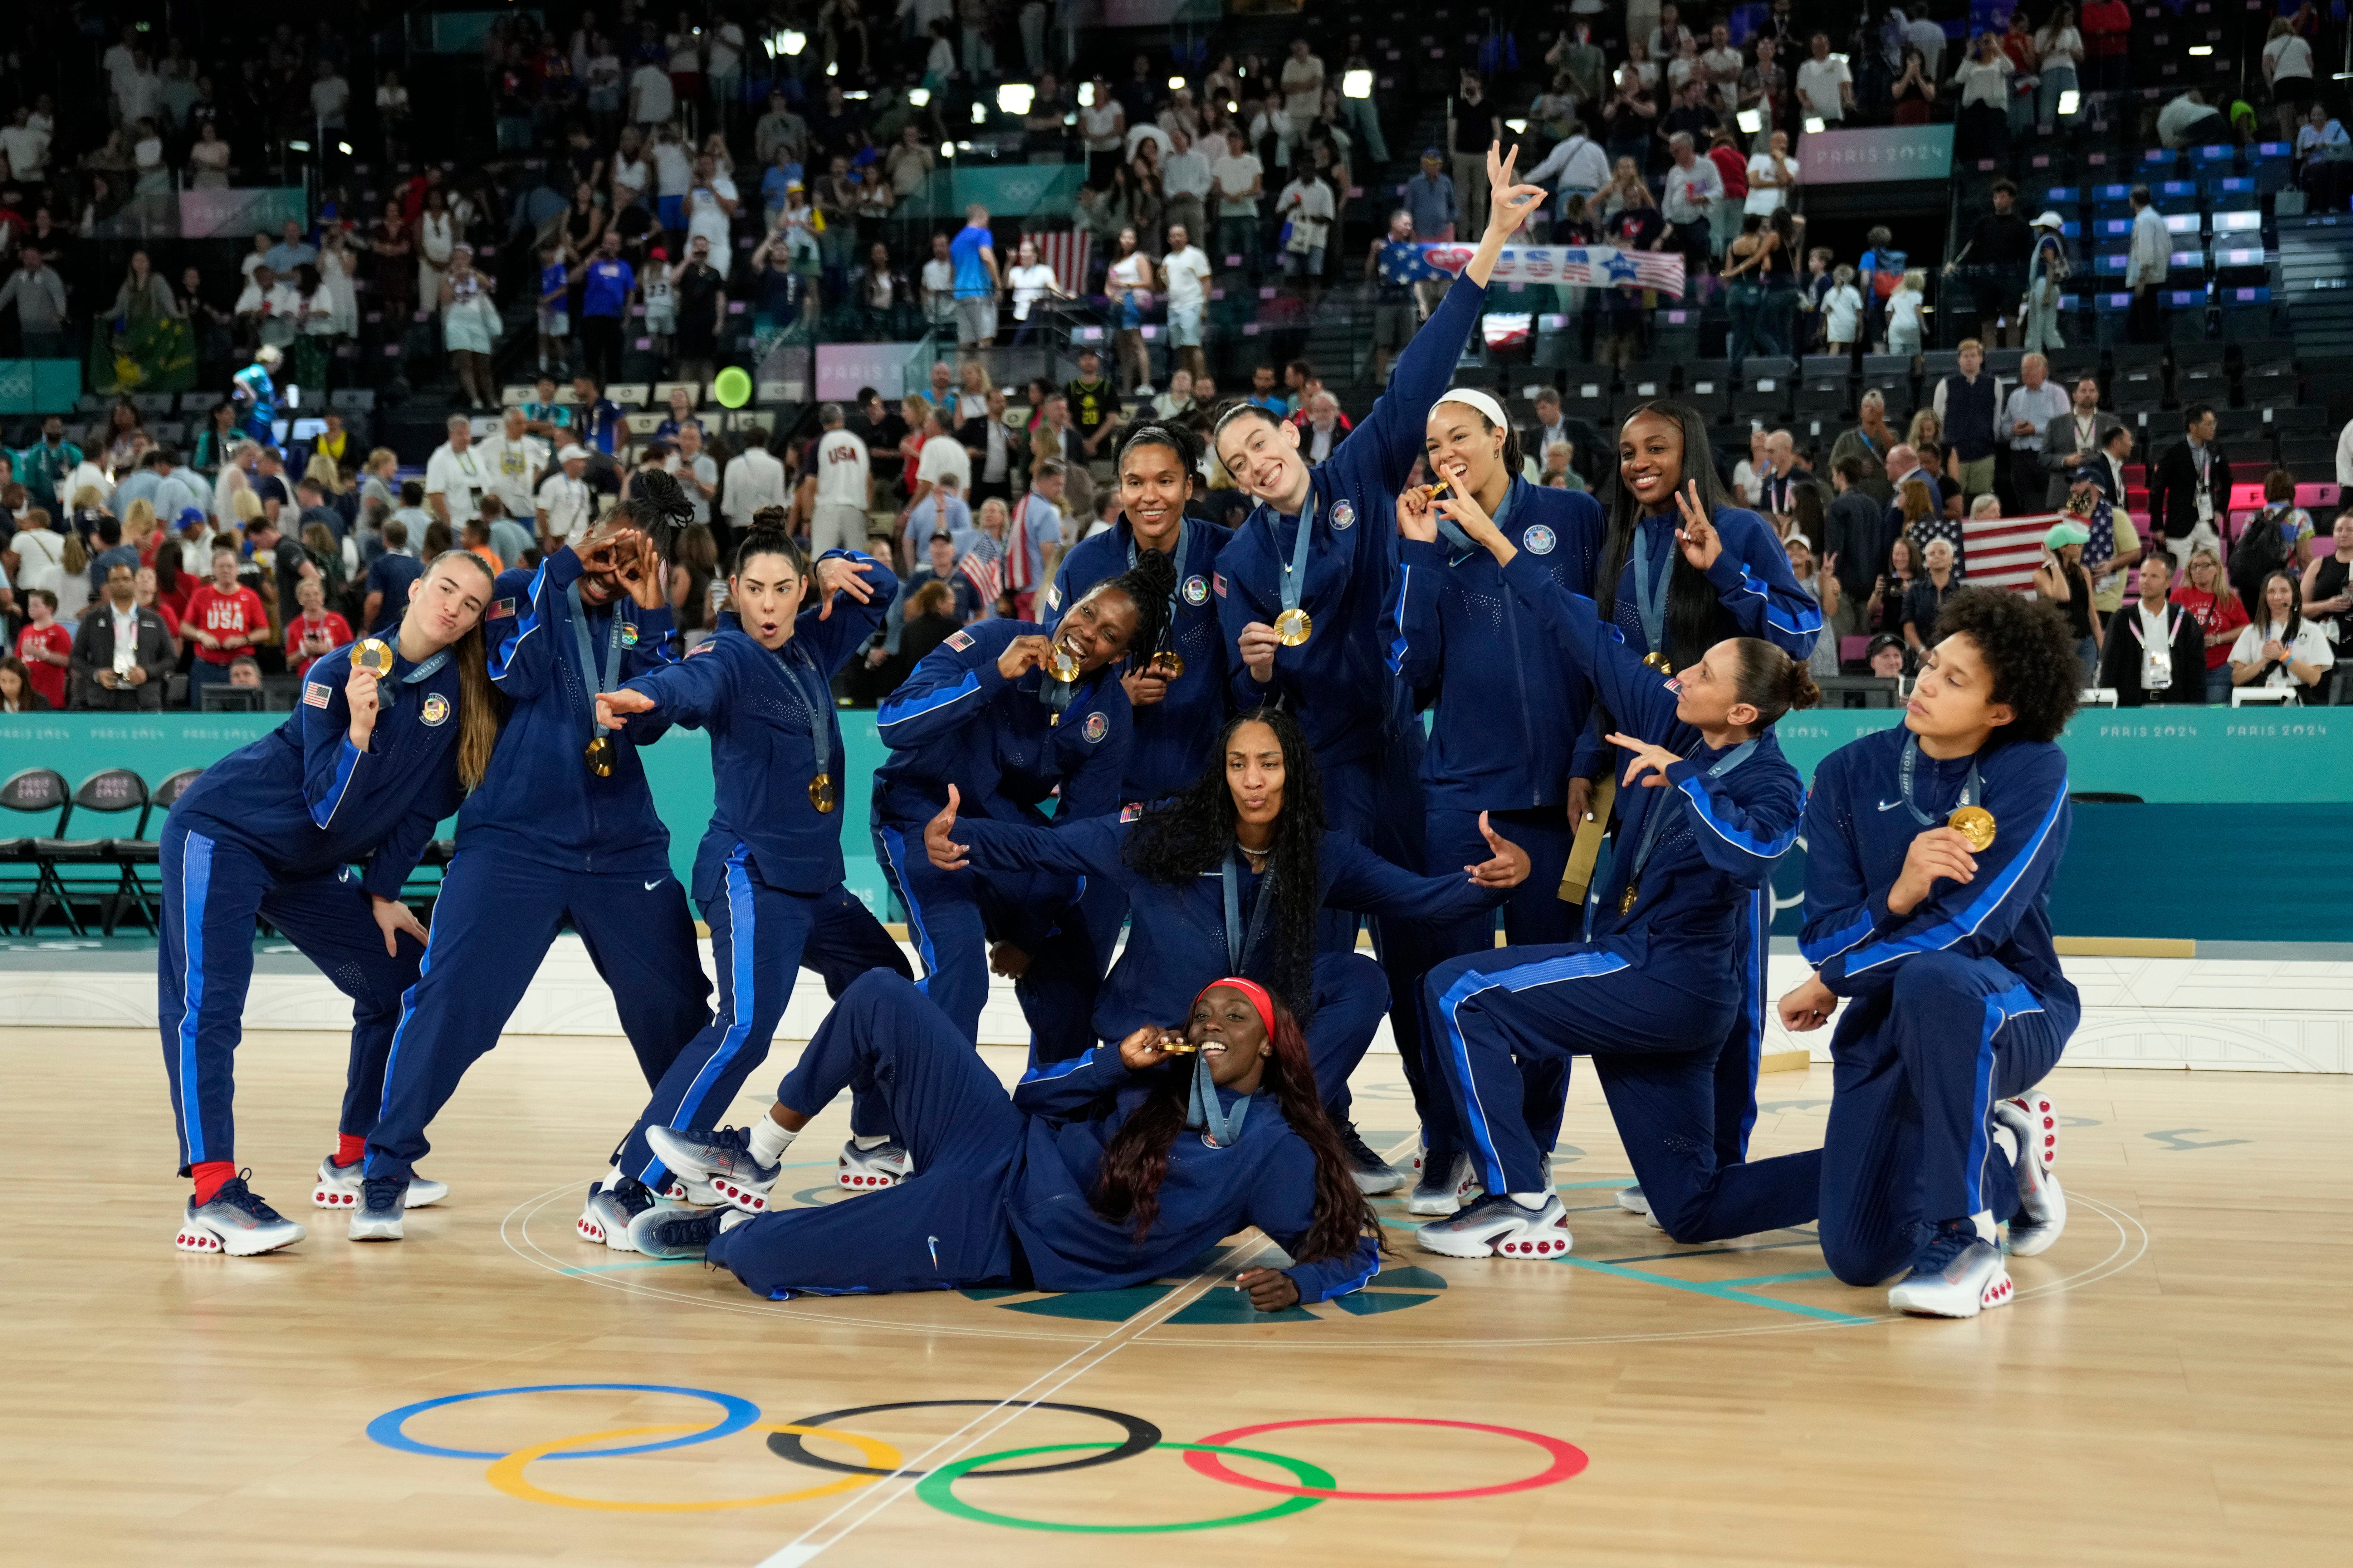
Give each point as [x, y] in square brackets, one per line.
[1578, 266]
[1065, 250]
[980, 569]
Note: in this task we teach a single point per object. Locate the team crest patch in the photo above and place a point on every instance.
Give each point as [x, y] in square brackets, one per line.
[316, 695]
[1539, 539]
[1217, 579]
[501, 610]
[1343, 515]
[1131, 812]
[628, 635]
[1097, 727]
[960, 641]
[436, 708]
[1197, 589]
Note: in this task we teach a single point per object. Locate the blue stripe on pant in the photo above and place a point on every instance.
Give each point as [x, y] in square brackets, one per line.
[761, 937]
[945, 1228]
[1533, 916]
[1655, 1046]
[1916, 1074]
[954, 915]
[212, 889]
[498, 914]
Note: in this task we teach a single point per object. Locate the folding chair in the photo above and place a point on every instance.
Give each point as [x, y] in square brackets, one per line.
[108, 792]
[34, 789]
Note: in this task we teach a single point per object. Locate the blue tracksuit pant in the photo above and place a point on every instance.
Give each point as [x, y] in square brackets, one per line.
[497, 916]
[761, 937]
[944, 1228]
[212, 889]
[1744, 1044]
[1915, 1077]
[1655, 1046]
[1351, 994]
[1377, 802]
[952, 915]
[1533, 916]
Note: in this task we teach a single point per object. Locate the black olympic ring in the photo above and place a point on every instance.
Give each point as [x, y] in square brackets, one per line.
[1142, 1436]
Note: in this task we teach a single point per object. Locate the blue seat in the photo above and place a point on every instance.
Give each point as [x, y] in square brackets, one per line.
[2158, 162]
[2061, 196]
[2175, 195]
[2118, 230]
[2214, 160]
[2247, 313]
[2231, 191]
[2110, 266]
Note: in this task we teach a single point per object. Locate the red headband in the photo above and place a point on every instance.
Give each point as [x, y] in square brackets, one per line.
[1250, 988]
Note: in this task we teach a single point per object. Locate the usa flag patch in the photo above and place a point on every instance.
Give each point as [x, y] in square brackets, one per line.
[316, 695]
[1131, 812]
[960, 641]
[1218, 581]
[501, 610]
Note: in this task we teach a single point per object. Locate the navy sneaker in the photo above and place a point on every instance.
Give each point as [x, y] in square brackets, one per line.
[714, 1168]
[680, 1232]
[1373, 1174]
[384, 1200]
[1957, 1275]
[236, 1224]
[611, 1207]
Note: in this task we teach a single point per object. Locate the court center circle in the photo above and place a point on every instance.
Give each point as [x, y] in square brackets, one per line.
[1567, 1459]
[507, 1474]
[1142, 1436]
[388, 1428]
[938, 1488]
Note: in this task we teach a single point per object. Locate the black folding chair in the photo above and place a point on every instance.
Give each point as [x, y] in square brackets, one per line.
[140, 854]
[108, 792]
[21, 879]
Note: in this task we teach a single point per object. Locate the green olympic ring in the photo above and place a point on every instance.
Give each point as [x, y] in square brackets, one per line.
[938, 1488]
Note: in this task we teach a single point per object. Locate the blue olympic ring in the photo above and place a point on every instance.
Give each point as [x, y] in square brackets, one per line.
[386, 1428]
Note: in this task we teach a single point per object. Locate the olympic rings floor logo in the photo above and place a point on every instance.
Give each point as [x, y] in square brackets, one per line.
[1311, 1485]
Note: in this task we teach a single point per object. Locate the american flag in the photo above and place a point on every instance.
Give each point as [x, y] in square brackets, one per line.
[1066, 252]
[1577, 265]
[2003, 551]
[981, 569]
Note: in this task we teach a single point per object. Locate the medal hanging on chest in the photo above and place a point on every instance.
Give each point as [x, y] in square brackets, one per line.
[601, 754]
[1967, 818]
[1295, 625]
[821, 793]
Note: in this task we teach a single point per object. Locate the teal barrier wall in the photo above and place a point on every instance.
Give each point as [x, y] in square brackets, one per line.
[2211, 846]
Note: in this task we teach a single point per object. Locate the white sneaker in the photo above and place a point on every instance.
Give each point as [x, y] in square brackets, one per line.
[611, 1205]
[1958, 1276]
[1497, 1226]
[1631, 1200]
[236, 1224]
[339, 1187]
[2042, 1120]
[871, 1170]
[2042, 1215]
[1445, 1185]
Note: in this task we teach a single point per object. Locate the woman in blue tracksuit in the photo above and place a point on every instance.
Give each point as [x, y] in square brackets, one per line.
[361, 772]
[1673, 601]
[767, 875]
[1203, 875]
[1939, 939]
[563, 828]
[1649, 995]
[1095, 1173]
[987, 713]
[1509, 739]
[1301, 567]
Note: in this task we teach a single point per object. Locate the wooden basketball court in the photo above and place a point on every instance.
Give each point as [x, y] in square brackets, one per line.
[2170, 1386]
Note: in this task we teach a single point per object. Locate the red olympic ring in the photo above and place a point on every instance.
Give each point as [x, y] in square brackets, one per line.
[1567, 1459]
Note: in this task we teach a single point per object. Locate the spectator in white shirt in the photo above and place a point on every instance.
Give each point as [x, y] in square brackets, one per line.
[1825, 90]
[330, 97]
[2287, 66]
[1185, 274]
[565, 504]
[839, 484]
[697, 472]
[1772, 175]
[2145, 268]
[754, 480]
[1186, 183]
[28, 148]
[2282, 648]
[513, 459]
[2033, 404]
[652, 101]
[1693, 188]
[455, 476]
[1031, 281]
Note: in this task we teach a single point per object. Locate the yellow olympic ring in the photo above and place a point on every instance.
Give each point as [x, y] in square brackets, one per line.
[507, 1474]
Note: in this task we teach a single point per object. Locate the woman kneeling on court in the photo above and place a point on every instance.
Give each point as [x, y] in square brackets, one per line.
[1708, 803]
[1113, 1168]
[1929, 852]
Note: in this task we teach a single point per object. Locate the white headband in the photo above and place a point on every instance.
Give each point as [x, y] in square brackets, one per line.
[1471, 397]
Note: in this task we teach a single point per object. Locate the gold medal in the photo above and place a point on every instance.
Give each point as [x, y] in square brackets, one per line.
[821, 792]
[1064, 665]
[1974, 823]
[1658, 661]
[1293, 627]
[1626, 903]
[375, 656]
[1178, 1045]
[599, 756]
[1167, 664]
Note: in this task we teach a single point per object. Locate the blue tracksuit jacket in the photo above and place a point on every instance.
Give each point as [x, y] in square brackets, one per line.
[1510, 730]
[1174, 736]
[1335, 683]
[758, 707]
[1751, 577]
[538, 799]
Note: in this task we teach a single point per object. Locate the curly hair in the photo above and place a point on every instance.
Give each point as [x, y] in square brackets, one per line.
[1149, 584]
[1136, 1160]
[1190, 835]
[2030, 650]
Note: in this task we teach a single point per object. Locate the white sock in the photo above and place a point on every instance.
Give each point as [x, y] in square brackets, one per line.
[865, 1143]
[769, 1141]
[1530, 1201]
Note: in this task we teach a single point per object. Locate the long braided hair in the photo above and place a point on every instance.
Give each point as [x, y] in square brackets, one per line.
[1147, 585]
[657, 506]
[1696, 619]
[1135, 1160]
[1190, 835]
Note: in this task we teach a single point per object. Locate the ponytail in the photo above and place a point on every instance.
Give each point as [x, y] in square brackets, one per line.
[1772, 682]
[481, 707]
[1149, 584]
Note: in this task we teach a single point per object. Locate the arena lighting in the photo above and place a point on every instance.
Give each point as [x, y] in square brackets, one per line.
[1015, 97]
[1086, 95]
[1356, 84]
[861, 96]
[947, 149]
[1516, 127]
[833, 68]
[979, 112]
[344, 148]
[922, 96]
[1175, 84]
[298, 146]
[1813, 123]
[788, 42]
[2069, 99]
[2200, 51]
[1749, 121]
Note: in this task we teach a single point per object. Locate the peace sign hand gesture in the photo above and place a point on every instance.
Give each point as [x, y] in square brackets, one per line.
[1701, 546]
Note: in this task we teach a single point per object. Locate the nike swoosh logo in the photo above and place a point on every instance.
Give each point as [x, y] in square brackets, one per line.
[652, 885]
[933, 1243]
[1889, 804]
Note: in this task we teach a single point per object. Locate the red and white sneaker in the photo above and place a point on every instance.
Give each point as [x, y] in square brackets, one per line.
[870, 1170]
[2041, 1128]
[1959, 1275]
[339, 1187]
[1497, 1226]
[2041, 1214]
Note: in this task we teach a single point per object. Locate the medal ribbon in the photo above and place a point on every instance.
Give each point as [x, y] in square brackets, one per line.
[1294, 571]
[605, 677]
[820, 730]
[1972, 788]
[1241, 943]
[1203, 1115]
[387, 697]
[1654, 822]
[1650, 603]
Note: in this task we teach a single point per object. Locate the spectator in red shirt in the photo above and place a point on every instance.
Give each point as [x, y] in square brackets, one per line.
[224, 619]
[45, 647]
[2215, 605]
[317, 631]
[1732, 168]
[146, 594]
[2107, 34]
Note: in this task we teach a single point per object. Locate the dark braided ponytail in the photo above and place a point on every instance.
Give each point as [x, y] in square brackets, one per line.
[657, 507]
[1149, 586]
